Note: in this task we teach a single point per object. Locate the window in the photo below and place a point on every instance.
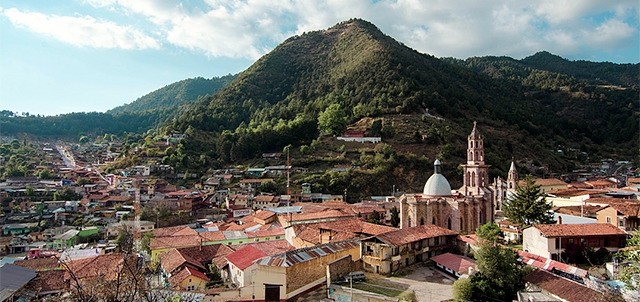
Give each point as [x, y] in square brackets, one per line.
[621, 223]
[557, 243]
[608, 219]
[436, 240]
[277, 237]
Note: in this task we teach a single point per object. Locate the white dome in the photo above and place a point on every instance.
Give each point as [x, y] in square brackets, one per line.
[437, 184]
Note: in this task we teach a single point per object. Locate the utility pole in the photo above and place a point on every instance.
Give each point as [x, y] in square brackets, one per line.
[288, 178]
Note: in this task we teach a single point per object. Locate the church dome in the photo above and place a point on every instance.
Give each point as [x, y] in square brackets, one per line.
[437, 184]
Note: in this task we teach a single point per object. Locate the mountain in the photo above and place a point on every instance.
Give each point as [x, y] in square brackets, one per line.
[139, 116]
[597, 73]
[174, 95]
[533, 108]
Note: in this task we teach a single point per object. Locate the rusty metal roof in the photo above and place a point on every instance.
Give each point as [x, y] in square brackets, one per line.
[291, 258]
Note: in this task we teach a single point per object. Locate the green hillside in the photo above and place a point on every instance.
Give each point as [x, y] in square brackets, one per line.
[139, 116]
[174, 95]
[532, 112]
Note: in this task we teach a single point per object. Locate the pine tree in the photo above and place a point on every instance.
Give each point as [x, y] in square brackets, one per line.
[528, 205]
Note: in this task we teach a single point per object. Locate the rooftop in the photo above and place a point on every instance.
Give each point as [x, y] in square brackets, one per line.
[293, 257]
[566, 230]
[561, 287]
[408, 235]
[457, 263]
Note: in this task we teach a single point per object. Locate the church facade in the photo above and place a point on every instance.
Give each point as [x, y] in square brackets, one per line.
[466, 209]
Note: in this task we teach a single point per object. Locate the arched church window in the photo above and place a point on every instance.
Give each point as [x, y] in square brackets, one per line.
[449, 223]
[476, 144]
[421, 221]
[473, 179]
[433, 221]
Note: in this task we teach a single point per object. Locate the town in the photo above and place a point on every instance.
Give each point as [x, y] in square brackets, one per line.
[149, 233]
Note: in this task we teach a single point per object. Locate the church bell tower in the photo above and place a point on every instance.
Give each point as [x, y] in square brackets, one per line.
[475, 170]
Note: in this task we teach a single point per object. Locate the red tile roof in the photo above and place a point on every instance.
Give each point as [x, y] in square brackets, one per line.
[408, 235]
[590, 229]
[576, 192]
[48, 282]
[318, 215]
[186, 272]
[629, 209]
[561, 287]
[264, 215]
[245, 256]
[549, 182]
[175, 242]
[173, 231]
[39, 264]
[605, 200]
[457, 263]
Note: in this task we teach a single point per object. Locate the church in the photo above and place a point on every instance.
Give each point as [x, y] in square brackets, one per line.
[464, 210]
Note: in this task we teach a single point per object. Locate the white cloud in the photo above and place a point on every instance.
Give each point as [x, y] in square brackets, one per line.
[250, 28]
[610, 34]
[81, 30]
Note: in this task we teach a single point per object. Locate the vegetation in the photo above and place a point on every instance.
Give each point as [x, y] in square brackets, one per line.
[490, 233]
[629, 259]
[528, 205]
[395, 217]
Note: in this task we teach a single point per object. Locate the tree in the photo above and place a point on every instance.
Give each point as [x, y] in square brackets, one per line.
[145, 242]
[124, 241]
[500, 274]
[462, 289]
[375, 217]
[332, 120]
[629, 262]
[395, 217]
[489, 232]
[528, 205]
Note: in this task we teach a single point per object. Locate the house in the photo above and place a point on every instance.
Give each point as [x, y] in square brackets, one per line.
[251, 184]
[12, 279]
[455, 264]
[544, 286]
[550, 240]
[284, 276]
[625, 215]
[602, 184]
[15, 229]
[512, 232]
[549, 184]
[306, 235]
[66, 239]
[242, 262]
[388, 252]
[265, 201]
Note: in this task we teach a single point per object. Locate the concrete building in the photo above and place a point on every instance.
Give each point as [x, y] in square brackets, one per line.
[550, 240]
[388, 252]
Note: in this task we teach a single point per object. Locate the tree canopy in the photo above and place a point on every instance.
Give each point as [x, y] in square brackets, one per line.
[332, 120]
[528, 205]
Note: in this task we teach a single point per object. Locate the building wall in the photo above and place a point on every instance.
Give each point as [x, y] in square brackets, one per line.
[340, 268]
[198, 283]
[533, 242]
[608, 215]
[303, 273]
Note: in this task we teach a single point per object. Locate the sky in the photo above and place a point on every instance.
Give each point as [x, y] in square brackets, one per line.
[93, 55]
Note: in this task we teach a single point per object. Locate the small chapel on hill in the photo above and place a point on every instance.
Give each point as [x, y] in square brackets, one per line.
[466, 209]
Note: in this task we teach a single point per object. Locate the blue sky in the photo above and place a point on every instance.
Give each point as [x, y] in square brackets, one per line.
[92, 55]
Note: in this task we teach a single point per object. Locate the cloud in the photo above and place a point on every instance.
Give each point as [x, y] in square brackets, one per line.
[81, 30]
[611, 33]
[251, 28]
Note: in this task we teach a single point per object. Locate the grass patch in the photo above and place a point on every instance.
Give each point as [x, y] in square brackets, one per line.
[389, 292]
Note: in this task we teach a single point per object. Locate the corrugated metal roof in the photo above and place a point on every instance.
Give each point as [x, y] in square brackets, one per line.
[289, 259]
[15, 277]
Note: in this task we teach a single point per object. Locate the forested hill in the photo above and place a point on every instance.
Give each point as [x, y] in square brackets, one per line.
[174, 95]
[147, 112]
[366, 73]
